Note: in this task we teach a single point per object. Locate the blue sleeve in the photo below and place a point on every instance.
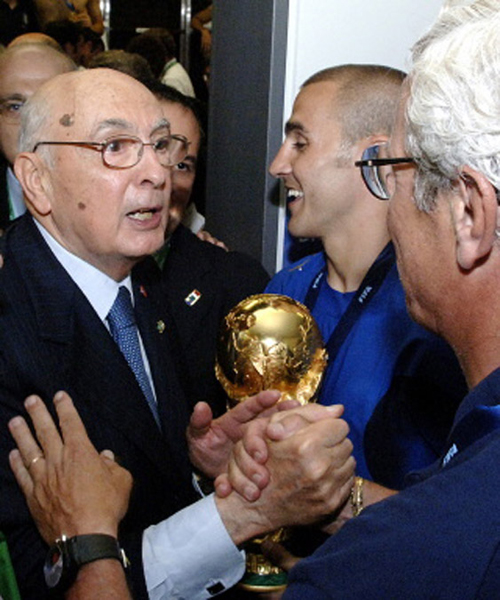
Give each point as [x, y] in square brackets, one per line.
[294, 281]
[437, 539]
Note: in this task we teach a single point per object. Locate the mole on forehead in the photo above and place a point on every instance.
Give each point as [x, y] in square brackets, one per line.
[67, 120]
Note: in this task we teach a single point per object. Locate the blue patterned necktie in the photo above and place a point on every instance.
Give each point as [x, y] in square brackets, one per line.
[123, 328]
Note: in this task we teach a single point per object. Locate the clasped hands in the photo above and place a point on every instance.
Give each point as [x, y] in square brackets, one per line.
[275, 465]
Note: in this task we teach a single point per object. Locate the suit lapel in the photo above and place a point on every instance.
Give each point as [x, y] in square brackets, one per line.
[186, 258]
[83, 352]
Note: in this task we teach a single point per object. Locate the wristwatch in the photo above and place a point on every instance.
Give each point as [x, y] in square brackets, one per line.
[67, 555]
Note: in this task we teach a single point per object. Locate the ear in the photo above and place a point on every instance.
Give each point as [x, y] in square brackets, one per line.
[31, 172]
[475, 213]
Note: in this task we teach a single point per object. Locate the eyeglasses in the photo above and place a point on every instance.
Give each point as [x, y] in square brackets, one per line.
[11, 110]
[125, 151]
[375, 175]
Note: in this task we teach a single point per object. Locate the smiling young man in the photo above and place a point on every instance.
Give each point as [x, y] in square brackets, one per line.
[352, 287]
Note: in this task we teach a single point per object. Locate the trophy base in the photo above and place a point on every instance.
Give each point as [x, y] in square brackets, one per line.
[253, 582]
[261, 575]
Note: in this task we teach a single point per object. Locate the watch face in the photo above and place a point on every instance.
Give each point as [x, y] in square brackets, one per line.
[53, 567]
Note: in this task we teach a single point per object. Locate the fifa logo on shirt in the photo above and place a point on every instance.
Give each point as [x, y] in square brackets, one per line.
[450, 454]
[364, 294]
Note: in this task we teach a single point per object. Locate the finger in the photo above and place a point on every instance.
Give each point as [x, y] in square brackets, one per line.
[284, 424]
[108, 456]
[21, 473]
[200, 420]
[287, 405]
[241, 484]
[332, 431]
[72, 427]
[221, 245]
[281, 406]
[45, 428]
[326, 435]
[342, 451]
[26, 443]
[222, 486]
[255, 405]
[254, 441]
[278, 555]
[281, 430]
[248, 467]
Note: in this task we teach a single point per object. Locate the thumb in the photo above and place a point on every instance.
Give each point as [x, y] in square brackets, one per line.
[200, 420]
[108, 456]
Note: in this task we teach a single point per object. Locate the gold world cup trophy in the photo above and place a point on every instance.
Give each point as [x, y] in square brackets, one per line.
[269, 341]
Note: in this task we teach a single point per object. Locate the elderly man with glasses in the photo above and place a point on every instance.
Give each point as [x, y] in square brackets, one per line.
[439, 538]
[381, 363]
[82, 309]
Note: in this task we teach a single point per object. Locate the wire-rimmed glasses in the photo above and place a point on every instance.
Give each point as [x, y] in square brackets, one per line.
[376, 171]
[125, 151]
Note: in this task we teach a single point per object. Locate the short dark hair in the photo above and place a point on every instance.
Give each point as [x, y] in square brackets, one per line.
[170, 94]
[166, 38]
[67, 32]
[151, 49]
[131, 64]
[366, 98]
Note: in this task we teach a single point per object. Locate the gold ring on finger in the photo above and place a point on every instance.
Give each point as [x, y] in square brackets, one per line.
[34, 461]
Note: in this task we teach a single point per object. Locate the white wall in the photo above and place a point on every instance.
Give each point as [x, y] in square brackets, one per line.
[323, 33]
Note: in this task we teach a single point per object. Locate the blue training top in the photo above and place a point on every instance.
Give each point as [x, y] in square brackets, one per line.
[440, 538]
[383, 344]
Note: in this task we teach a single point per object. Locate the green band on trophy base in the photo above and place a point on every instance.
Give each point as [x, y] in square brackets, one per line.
[261, 575]
[264, 583]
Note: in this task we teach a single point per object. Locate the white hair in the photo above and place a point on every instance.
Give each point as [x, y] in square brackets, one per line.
[453, 113]
[35, 120]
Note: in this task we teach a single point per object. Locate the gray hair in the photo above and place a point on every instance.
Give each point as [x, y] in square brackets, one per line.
[35, 120]
[453, 113]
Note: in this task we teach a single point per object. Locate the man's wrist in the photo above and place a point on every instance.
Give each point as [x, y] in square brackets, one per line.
[241, 519]
[90, 526]
[68, 555]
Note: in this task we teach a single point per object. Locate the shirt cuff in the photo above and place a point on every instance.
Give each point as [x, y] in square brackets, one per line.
[191, 555]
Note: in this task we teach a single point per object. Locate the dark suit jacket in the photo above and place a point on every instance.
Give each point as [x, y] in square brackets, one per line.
[51, 339]
[4, 196]
[223, 279]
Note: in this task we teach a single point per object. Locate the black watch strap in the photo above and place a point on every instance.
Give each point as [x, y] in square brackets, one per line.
[83, 549]
[68, 555]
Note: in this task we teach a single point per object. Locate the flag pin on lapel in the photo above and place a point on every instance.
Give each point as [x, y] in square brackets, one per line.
[192, 298]
[142, 290]
[160, 326]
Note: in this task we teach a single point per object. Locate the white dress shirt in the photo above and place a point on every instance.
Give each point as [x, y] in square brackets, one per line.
[176, 76]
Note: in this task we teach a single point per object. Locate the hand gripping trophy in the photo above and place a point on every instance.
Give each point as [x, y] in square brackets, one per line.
[269, 341]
